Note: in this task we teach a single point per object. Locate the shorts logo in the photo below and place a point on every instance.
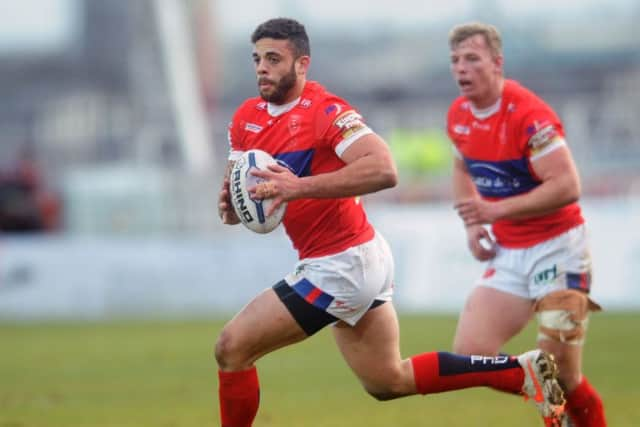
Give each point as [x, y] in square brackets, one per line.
[489, 273]
[546, 276]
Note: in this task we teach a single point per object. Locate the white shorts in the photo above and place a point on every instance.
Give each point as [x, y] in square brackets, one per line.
[346, 284]
[563, 262]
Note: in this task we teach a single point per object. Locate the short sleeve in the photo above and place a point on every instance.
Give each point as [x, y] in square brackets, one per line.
[234, 138]
[542, 132]
[340, 125]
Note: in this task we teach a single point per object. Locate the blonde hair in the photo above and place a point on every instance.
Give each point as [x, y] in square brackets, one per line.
[491, 35]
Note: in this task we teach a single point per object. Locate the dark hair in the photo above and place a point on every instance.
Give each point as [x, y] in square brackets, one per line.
[284, 29]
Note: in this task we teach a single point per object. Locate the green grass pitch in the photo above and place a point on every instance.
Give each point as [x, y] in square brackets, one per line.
[163, 374]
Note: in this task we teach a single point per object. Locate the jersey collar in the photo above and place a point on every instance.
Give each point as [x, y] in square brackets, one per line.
[278, 110]
[486, 112]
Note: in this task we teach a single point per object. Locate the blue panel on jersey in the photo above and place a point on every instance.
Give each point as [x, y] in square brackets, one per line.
[501, 179]
[298, 161]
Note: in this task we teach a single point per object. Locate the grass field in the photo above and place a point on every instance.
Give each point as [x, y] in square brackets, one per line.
[163, 374]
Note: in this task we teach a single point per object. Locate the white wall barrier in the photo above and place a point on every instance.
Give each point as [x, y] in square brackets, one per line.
[78, 277]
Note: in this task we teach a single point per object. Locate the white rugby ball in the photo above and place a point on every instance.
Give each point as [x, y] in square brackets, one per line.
[252, 212]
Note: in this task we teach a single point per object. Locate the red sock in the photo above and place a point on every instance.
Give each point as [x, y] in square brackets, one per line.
[239, 394]
[585, 406]
[439, 371]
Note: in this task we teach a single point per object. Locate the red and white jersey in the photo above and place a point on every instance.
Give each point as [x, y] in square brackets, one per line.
[309, 135]
[498, 145]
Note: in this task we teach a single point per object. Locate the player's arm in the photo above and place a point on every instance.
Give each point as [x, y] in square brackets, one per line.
[225, 209]
[560, 186]
[369, 168]
[464, 189]
[463, 186]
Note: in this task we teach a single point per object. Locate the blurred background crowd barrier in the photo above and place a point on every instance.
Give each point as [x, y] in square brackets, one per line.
[113, 127]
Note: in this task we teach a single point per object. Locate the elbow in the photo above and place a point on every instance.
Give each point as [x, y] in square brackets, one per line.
[389, 176]
[573, 192]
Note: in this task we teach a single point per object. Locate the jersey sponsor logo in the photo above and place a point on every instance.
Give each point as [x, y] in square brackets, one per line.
[502, 178]
[349, 123]
[261, 106]
[496, 179]
[305, 103]
[252, 127]
[481, 126]
[461, 129]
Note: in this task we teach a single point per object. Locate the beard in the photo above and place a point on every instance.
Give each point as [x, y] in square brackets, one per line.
[282, 88]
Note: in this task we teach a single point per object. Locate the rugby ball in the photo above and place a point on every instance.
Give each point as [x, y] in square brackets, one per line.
[252, 212]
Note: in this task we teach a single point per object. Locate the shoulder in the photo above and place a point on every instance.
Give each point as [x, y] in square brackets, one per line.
[322, 98]
[523, 99]
[460, 106]
[250, 107]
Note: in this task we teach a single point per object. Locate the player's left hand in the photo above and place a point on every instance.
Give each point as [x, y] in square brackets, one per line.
[280, 184]
[477, 211]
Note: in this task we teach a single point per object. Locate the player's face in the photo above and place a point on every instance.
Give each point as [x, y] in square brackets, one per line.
[476, 71]
[280, 76]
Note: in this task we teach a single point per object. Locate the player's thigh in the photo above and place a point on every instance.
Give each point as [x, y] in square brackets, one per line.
[371, 349]
[260, 327]
[489, 319]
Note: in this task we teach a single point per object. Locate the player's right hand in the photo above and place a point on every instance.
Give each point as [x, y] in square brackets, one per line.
[480, 243]
[225, 209]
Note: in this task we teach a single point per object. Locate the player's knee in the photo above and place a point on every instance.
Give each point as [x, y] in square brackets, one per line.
[383, 394]
[563, 316]
[228, 351]
[386, 390]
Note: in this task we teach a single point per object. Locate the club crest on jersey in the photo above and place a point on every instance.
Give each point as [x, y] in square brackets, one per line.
[295, 121]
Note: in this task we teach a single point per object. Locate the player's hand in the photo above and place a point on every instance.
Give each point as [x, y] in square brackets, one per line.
[477, 211]
[480, 243]
[280, 184]
[225, 209]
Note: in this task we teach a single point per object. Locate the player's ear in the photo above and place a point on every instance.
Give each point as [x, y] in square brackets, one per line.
[499, 63]
[302, 64]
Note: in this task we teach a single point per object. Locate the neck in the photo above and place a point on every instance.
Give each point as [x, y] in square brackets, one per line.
[295, 91]
[491, 97]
